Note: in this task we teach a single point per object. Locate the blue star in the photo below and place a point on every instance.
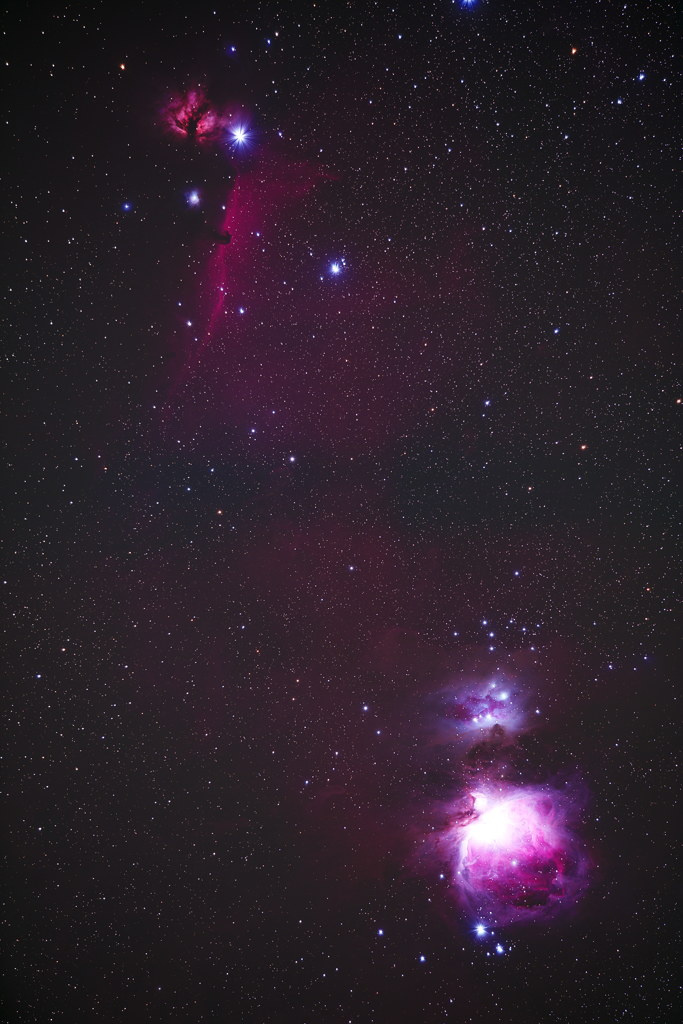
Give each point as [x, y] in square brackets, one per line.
[240, 135]
[193, 198]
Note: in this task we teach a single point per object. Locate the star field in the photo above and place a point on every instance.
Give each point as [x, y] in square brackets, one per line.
[341, 578]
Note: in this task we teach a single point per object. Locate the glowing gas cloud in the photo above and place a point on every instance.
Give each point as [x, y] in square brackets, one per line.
[193, 117]
[479, 707]
[511, 849]
[513, 854]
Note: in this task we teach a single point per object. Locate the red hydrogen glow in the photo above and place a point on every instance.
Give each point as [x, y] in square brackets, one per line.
[513, 855]
[192, 117]
[231, 284]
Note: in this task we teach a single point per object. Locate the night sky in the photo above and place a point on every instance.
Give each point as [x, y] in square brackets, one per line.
[342, 435]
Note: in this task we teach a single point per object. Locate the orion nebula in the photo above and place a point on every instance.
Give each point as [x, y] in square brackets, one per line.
[513, 855]
[507, 836]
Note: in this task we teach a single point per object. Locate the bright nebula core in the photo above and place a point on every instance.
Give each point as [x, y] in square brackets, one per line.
[513, 855]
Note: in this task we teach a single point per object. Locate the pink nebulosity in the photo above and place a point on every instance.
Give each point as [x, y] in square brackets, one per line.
[232, 282]
[192, 117]
[513, 854]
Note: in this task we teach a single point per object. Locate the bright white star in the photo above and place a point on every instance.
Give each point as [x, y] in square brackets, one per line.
[240, 135]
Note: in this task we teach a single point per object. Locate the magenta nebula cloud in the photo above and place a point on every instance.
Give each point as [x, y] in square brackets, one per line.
[511, 848]
[513, 855]
[192, 116]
